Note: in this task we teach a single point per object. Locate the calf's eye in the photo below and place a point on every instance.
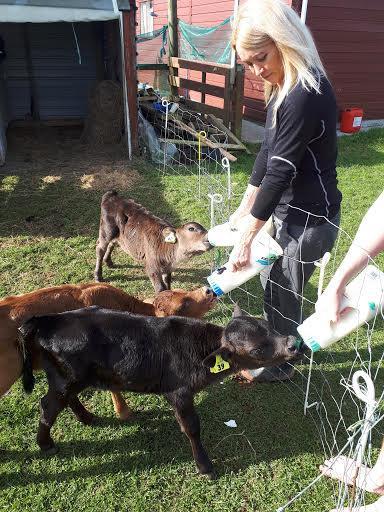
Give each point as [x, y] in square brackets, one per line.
[191, 229]
[257, 351]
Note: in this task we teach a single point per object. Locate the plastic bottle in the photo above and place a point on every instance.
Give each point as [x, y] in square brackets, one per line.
[264, 252]
[362, 300]
[223, 236]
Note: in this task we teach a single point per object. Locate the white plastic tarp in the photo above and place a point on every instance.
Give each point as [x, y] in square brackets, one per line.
[47, 11]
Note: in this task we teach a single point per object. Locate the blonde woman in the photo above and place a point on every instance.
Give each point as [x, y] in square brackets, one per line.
[295, 169]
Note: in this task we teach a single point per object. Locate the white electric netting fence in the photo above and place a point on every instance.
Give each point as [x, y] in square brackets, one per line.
[346, 407]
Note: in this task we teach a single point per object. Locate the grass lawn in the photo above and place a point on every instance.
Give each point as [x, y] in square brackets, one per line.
[50, 197]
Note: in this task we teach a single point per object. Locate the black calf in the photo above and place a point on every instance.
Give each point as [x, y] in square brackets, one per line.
[173, 356]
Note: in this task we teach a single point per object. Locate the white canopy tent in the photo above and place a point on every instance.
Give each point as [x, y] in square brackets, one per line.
[48, 11]
[46, 63]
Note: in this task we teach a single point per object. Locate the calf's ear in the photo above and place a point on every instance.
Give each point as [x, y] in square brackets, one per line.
[210, 360]
[160, 306]
[237, 311]
[169, 235]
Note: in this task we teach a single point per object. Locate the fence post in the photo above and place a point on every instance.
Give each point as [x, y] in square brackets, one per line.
[238, 101]
[227, 99]
[173, 39]
[128, 29]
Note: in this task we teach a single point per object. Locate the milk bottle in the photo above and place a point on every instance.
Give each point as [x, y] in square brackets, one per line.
[362, 300]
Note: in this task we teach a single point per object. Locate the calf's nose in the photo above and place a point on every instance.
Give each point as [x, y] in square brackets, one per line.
[209, 292]
[293, 344]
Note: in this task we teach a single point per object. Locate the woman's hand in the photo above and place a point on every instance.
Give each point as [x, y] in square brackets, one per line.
[245, 206]
[236, 218]
[328, 304]
[240, 256]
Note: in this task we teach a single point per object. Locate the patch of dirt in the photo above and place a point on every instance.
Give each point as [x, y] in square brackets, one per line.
[105, 180]
[52, 153]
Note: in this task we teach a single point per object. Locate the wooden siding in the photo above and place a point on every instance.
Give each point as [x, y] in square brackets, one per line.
[203, 13]
[349, 35]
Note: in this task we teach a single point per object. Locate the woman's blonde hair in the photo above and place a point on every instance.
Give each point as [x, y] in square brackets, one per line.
[260, 22]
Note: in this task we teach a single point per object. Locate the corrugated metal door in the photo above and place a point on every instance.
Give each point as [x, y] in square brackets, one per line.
[61, 79]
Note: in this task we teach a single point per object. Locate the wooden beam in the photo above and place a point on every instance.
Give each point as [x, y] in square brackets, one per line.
[130, 73]
[151, 67]
[227, 100]
[212, 90]
[203, 81]
[202, 107]
[207, 142]
[217, 122]
[147, 98]
[207, 67]
[202, 143]
[173, 48]
[238, 101]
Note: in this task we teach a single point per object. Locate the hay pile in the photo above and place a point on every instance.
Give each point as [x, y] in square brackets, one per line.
[105, 120]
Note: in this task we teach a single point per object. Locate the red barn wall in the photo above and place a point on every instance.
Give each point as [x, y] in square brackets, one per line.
[349, 35]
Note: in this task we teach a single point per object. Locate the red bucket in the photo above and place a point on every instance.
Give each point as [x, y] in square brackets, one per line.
[351, 119]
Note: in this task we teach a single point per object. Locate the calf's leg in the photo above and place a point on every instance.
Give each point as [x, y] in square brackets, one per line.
[10, 366]
[107, 256]
[189, 422]
[121, 408]
[108, 234]
[51, 406]
[156, 279]
[81, 413]
[167, 278]
[101, 248]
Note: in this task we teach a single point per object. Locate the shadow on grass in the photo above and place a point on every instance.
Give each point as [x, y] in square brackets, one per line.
[52, 184]
[270, 420]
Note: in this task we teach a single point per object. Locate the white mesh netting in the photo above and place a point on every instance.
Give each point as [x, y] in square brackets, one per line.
[346, 403]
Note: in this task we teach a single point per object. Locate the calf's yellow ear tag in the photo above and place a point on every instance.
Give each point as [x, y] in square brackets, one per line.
[170, 238]
[220, 365]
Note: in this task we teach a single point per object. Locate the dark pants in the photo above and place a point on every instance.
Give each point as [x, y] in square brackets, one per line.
[288, 276]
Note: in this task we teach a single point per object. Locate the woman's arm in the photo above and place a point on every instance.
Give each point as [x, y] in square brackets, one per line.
[245, 206]
[249, 197]
[296, 126]
[368, 243]
[241, 252]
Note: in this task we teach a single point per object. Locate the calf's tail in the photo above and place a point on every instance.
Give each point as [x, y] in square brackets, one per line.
[108, 195]
[27, 332]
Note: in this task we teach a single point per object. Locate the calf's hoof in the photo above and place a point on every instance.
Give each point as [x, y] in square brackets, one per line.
[98, 278]
[87, 418]
[125, 415]
[49, 451]
[209, 475]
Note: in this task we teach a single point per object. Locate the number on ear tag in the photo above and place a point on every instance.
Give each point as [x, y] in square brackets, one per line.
[170, 238]
[220, 365]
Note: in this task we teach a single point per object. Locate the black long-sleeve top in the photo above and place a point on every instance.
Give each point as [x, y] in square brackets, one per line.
[296, 165]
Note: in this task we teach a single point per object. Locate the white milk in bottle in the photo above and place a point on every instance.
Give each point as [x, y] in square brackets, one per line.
[264, 252]
[362, 300]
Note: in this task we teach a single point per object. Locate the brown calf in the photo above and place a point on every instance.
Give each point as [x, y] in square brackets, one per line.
[146, 238]
[17, 309]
